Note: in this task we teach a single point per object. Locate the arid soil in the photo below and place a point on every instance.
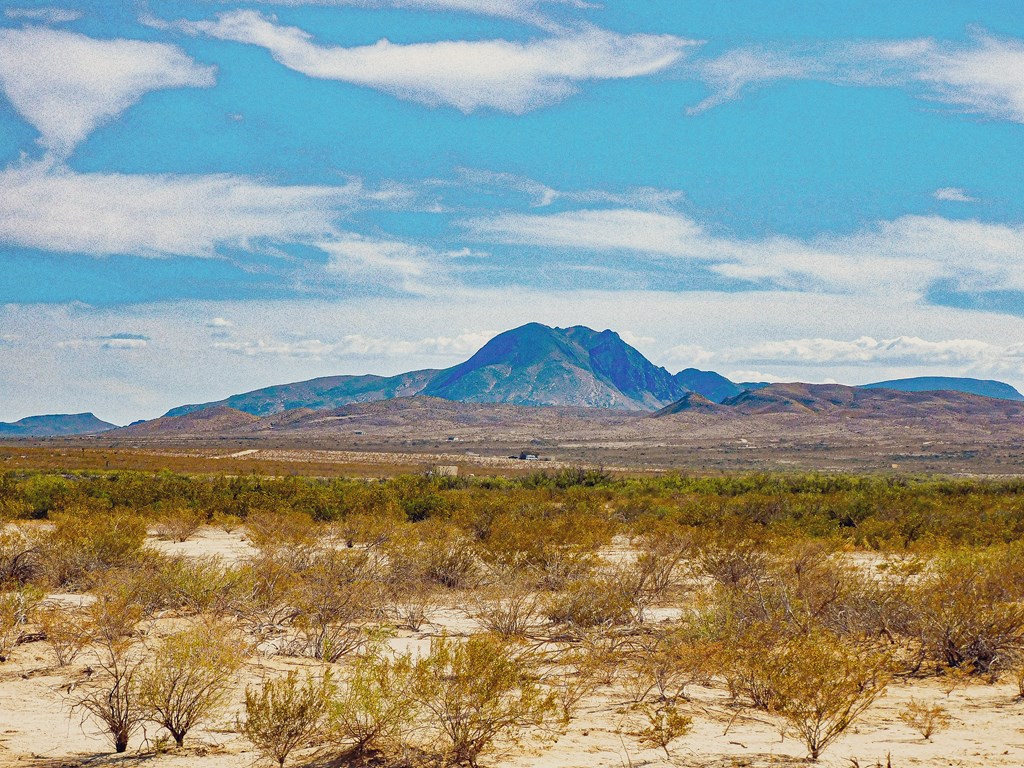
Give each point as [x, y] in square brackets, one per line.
[37, 729]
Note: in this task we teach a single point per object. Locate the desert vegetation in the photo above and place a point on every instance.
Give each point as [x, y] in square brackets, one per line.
[450, 621]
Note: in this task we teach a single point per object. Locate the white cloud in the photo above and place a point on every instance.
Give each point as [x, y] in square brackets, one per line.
[899, 351]
[953, 195]
[114, 341]
[984, 77]
[901, 257]
[101, 214]
[504, 75]
[44, 15]
[66, 84]
[359, 345]
[219, 322]
[754, 376]
[540, 195]
[524, 10]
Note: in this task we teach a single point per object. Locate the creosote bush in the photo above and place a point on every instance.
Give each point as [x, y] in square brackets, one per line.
[480, 696]
[109, 695]
[821, 686]
[16, 607]
[68, 630]
[185, 682]
[926, 719]
[286, 714]
[375, 705]
[664, 725]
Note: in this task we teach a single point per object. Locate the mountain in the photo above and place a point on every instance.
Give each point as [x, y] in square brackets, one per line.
[531, 365]
[836, 400]
[711, 385]
[219, 419]
[689, 403]
[983, 387]
[319, 394]
[538, 365]
[56, 424]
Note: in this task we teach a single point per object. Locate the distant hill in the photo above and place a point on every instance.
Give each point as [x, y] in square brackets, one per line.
[531, 365]
[204, 421]
[319, 394]
[709, 384]
[56, 425]
[839, 400]
[983, 387]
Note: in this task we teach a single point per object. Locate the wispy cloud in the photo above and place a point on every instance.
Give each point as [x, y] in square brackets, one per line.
[953, 195]
[900, 257]
[984, 77]
[541, 195]
[66, 84]
[102, 214]
[44, 15]
[523, 10]
[358, 345]
[508, 76]
[868, 351]
[113, 341]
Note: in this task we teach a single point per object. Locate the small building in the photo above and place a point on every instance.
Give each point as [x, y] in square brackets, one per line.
[529, 457]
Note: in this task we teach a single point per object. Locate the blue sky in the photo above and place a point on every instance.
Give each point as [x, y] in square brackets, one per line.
[202, 197]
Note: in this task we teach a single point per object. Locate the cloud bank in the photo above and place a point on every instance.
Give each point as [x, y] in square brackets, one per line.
[899, 257]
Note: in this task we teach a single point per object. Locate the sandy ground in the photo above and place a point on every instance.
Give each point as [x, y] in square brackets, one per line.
[38, 730]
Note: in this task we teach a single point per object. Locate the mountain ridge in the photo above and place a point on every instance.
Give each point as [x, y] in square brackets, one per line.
[537, 365]
[533, 364]
[56, 425]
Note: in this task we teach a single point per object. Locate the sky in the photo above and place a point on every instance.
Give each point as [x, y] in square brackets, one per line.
[203, 197]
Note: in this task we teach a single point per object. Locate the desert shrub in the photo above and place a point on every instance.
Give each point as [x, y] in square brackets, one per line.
[822, 685]
[67, 629]
[554, 546]
[83, 544]
[969, 610]
[574, 674]
[413, 604]
[664, 725]
[480, 696]
[508, 607]
[371, 530]
[735, 555]
[185, 683]
[16, 607]
[115, 612]
[109, 695]
[19, 555]
[665, 663]
[200, 585]
[284, 534]
[660, 565]
[179, 523]
[926, 719]
[375, 704]
[286, 714]
[226, 521]
[262, 595]
[435, 551]
[330, 599]
[604, 599]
